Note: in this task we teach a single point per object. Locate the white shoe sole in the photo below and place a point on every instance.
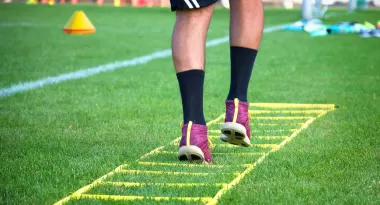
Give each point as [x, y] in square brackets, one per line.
[191, 153]
[235, 133]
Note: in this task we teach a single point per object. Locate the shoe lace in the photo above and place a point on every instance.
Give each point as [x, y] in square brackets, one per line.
[210, 144]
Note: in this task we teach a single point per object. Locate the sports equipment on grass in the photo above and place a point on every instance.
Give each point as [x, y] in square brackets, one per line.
[79, 24]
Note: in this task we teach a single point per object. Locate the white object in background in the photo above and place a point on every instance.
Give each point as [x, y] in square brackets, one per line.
[376, 3]
[307, 9]
[225, 3]
[288, 4]
[313, 25]
[320, 10]
[352, 5]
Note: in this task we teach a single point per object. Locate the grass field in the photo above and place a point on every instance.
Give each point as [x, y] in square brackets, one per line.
[59, 138]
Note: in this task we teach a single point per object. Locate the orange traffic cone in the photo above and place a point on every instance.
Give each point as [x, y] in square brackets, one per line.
[79, 24]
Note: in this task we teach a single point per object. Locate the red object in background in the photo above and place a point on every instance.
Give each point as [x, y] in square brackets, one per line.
[138, 3]
[142, 2]
[74, 1]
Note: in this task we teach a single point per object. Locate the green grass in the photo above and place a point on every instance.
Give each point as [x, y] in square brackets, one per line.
[56, 139]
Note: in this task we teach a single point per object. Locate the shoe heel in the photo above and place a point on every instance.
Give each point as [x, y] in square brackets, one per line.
[191, 153]
[234, 133]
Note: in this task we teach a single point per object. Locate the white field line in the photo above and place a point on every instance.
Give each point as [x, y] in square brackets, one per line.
[87, 72]
[335, 13]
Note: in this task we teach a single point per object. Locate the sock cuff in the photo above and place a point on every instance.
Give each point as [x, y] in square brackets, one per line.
[237, 48]
[194, 72]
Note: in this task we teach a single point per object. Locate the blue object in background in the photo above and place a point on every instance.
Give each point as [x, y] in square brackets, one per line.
[321, 32]
[345, 27]
[375, 33]
[365, 33]
[297, 26]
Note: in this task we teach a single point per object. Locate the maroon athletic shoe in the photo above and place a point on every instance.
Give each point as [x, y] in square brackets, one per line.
[194, 144]
[235, 129]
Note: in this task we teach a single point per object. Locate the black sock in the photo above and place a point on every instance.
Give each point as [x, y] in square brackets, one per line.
[242, 61]
[191, 87]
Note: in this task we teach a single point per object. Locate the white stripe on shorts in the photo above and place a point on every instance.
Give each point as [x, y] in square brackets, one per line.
[195, 3]
[189, 4]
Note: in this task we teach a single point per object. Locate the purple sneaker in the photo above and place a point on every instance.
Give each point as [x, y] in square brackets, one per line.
[194, 145]
[235, 129]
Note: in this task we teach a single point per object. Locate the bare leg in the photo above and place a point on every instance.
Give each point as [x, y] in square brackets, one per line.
[247, 22]
[189, 36]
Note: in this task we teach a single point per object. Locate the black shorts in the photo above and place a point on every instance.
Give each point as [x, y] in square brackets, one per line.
[190, 4]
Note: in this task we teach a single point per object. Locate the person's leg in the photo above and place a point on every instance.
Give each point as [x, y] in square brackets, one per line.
[246, 28]
[189, 36]
[188, 47]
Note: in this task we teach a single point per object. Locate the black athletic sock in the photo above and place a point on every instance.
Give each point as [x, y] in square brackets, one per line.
[191, 87]
[242, 61]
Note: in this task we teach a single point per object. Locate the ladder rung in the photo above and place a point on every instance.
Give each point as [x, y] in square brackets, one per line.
[292, 105]
[253, 145]
[271, 137]
[286, 111]
[223, 153]
[131, 198]
[284, 118]
[214, 136]
[289, 130]
[277, 124]
[163, 172]
[183, 165]
[239, 153]
[137, 184]
[258, 137]
[170, 173]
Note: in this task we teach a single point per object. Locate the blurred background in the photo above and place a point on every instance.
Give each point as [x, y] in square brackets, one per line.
[224, 3]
